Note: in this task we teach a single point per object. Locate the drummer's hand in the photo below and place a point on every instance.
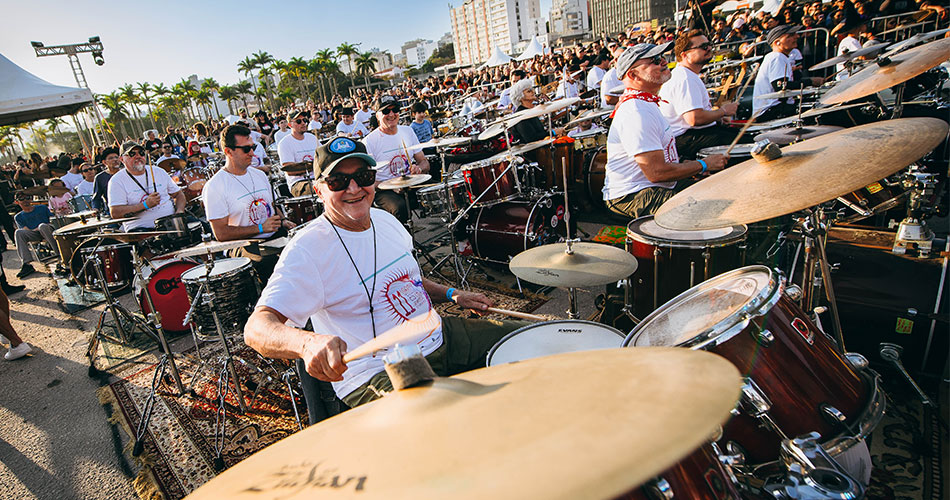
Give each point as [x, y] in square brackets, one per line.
[475, 301]
[323, 356]
[271, 224]
[559, 132]
[716, 162]
[729, 108]
[415, 169]
[817, 81]
[289, 224]
[153, 199]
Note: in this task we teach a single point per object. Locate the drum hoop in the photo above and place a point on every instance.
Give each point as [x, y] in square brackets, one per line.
[730, 326]
[869, 418]
[245, 264]
[737, 234]
[491, 352]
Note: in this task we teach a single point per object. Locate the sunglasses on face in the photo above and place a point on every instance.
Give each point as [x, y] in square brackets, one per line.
[88, 170]
[133, 154]
[300, 121]
[339, 182]
[246, 149]
[703, 46]
[389, 110]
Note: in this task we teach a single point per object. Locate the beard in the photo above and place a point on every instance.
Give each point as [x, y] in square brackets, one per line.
[660, 79]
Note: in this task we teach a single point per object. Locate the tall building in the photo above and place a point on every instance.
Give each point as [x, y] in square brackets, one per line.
[478, 26]
[613, 16]
[568, 19]
[418, 51]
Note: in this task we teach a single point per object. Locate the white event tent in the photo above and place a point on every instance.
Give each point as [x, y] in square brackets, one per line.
[26, 97]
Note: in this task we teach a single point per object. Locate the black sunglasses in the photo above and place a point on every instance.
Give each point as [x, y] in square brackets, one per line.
[132, 154]
[393, 109]
[704, 46]
[88, 170]
[246, 149]
[338, 182]
[300, 121]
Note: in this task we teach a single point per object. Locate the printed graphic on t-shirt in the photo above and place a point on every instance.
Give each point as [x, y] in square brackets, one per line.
[407, 300]
[258, 211]
[399, 164]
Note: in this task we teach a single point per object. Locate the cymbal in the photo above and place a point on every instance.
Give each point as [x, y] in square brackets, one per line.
[784, 94]
[131, 237]
[618, 90]
[588, 94]
[501, 124]
[827, 63]
[919, 37]
[35, 190]
[197, 156]
[590, 264]
[809, 172]
[788, 135]
[205, 248]
[505, 432]
[811, 113]
[549, 107]
[57, 190]
[405, 181]
[591, 114]
[440, 142]
[876, 77]
[297, 167]
[172, 164]
[81, 225]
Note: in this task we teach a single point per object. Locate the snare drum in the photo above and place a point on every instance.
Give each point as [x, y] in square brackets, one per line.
[178, 223]
[114, 257]
[236, 289]
[502, 231]
[471, 129]
[433, 200]
[673, 261]
[739, 153]
[300, 209]
[795, 380]
[167, 292]
[553, 337]
[479, 177]
[590, 139]
[81, 203]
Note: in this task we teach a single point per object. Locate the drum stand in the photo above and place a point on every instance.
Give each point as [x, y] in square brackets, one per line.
[447, 214]
[815, 232]
[412, 233]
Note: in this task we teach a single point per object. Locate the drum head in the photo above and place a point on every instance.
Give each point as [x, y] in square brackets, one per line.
[553, 337]
[433, 188]
[718, 307]
[646, 230]
[589, 133]
[221, 267]
[737, 150]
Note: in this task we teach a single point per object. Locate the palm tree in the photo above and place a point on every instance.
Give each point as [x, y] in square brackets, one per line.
[247, 66]
[185, 91]
[348, 50]
[212, 86]
[113, 103]
[243, 89]
[203, 97]
[366, 65]
[228, 93]
[286, 96]
[144, 88]
[298, 67]
[261, 60]
[161, 91]
[52, 125]
[127, 92]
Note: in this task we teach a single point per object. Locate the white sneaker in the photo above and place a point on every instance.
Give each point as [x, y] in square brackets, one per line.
[18, 352]
[4, 340]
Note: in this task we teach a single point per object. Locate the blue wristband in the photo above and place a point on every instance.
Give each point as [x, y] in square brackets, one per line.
[145, 204]
[260, 228]
[448, 293]
[705, 167]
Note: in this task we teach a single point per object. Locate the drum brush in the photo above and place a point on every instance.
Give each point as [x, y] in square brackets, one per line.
[406, 367]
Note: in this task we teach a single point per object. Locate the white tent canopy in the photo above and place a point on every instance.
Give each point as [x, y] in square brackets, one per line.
[534, 49]
[497, 59]
[25, 97]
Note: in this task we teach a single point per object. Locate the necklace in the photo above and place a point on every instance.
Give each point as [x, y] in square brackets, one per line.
[238, 179]
[369, 294]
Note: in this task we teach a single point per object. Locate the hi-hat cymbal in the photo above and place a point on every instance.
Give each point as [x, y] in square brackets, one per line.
[521, 149]
[296, 167]
[589, 264]
[808, 173]
[197, 156]
[789, 135]
[591, 114]
[205, 248]
[549, 107]
[827, 63]
[531, 429]
[440, 142]
[405, 181]
[784, 94]
[172, 164]
[876, 76]
[131, 237]
[82, 225]
[35, 190]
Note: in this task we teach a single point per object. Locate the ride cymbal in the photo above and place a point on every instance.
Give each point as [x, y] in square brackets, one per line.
[405, 181]
[440, 142]
[591, 424]
[808, 173]
[589, 264]
[789, 135]
[205, 248]
[172, 164]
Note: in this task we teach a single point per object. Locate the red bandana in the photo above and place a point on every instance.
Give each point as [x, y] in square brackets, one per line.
[636, 94]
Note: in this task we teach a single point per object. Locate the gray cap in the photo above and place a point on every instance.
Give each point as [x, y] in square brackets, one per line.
[779, 31]
[637, 52]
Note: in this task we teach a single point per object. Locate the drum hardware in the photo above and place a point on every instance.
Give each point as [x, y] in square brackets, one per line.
[813, 473]
[404, 182]
[912, 232]
[892, 354]
[815, 232]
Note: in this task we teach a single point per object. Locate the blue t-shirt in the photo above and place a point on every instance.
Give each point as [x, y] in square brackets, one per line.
[33, 218]
[423, 130]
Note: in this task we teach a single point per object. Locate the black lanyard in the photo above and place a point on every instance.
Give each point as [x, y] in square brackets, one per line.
[137, 182]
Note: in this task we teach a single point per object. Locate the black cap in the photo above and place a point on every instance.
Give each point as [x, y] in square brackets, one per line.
[330, 154]
[129, 146]
[779, 31]
[386, 101]
[347, 111]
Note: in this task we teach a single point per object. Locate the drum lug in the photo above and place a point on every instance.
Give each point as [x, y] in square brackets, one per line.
[660, 489]
[753, 401]
[765, 338]
[857, 361]
[833, 414]
[794, 292]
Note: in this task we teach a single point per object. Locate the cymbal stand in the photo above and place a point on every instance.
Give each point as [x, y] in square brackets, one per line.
[154, 317]
[569, 249]
[815, 230]
[447, 217]
[411, 227]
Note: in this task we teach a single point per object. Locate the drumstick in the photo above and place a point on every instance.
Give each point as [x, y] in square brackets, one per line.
[739, 135]
[746, 84]
[408, 331]
[517, 314]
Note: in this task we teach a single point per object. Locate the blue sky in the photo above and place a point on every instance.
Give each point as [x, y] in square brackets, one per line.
[165, 41]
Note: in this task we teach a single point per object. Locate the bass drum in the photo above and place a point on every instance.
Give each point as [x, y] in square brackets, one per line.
[595, 174]
[553, 337]
[499, 232]
[167, 291]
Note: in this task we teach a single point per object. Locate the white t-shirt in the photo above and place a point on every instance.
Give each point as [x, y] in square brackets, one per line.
[609, 82]
[775, 66]
[246, 200]
[684, 92]
[85, 187]
[594, 77]
[280, 134]
[314, 125]
[71, 180]
[291, 150]
[315, 279]
[391, 152]
[638, 127]
[363, 117]
[256, 136]
[355, 130]
[259, 154]
[848, 44]
[124, 191]
[566, 89]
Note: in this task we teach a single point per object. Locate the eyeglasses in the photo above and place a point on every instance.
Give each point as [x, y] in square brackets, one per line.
[703, 46]
[246, 149]
[301, 121]
[389, 110]
[133, 154]
[88, 170]
[338, 182]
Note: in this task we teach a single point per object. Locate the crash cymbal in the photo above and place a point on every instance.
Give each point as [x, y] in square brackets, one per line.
[910, 42]
[876, 76]
[205, 248]
[405, 181]
[591, 114]
[549, 107]
[589, 264]
[440, 142]
[808, 173]
[297, 168]
[865, 51]
[524, 148]
[57, 190]
[499, 126]
[811, 113]
[789, 135]
[83, 225]
[618, 90]
[548, 427]
[785, 94]
[172, 164]
[132, 237]
[34, 191]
